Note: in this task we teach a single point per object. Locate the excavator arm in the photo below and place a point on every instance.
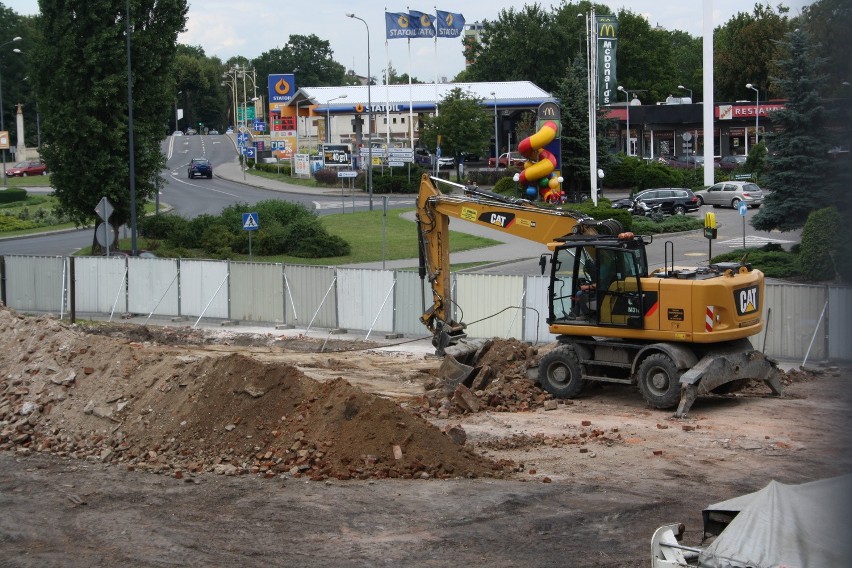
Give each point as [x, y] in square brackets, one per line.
[517, 217]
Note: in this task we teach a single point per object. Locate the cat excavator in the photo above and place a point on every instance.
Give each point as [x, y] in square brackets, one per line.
[676, 333]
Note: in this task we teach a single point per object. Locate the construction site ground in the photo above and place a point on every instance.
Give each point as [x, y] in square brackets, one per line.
[135, 445]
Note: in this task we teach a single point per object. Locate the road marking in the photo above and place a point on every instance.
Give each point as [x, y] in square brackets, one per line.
[177, 179]
[752, 241]
[357, 203]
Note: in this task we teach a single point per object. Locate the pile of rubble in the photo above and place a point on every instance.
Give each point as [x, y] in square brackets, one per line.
[176, 411]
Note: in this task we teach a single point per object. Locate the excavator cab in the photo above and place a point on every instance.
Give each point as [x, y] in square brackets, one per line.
[595, 280]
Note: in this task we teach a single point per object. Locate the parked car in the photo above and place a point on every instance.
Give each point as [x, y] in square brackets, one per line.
[213, 132]
[446, 162]
[731, 193]
[191, 131]
[510, 159]
[423, 157]
[177, 133]
[24, 169]
[200, 167]
[732, 162]
[672, 200]
[685, 161]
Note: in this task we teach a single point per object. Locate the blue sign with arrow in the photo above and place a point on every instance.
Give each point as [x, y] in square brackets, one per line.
[250, 152]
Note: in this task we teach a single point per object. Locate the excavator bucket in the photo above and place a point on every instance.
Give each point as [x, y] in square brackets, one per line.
[723, 367]
[453, 372]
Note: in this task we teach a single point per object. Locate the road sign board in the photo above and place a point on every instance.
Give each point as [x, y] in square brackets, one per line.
[242, 137]
[401, 153]
[250, 222]
[347, 174]
[743, 207]
[104, 209]
[395, 163]
[260, 125]
[250, 152]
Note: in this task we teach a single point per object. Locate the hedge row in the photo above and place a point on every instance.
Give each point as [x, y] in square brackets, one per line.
[13, 195]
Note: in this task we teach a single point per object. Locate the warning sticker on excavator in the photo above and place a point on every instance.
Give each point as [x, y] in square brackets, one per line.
[469, 214]
[525, 223]
[747, 300]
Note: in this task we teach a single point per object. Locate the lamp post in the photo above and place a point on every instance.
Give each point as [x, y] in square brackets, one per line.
[757, 113]
[627, 98]
[176, 109]
[685, 89]
[2, 126]
[496, 147]
[328, 117]
[369, 116]
[297, 126]
[232, 84]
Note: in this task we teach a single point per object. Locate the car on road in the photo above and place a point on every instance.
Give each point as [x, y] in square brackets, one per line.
[731, 193]
[30, 168]
[200, 167]
[446, 162]
[177, 133]
[506, 160]
[213, 132]
[685, 161]
[672, 200]
[731, 162]
[191, 131]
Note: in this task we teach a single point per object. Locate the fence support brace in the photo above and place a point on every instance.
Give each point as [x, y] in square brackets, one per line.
[385, 301]
[327, 292]
[118, 294]
[161, 297]
[213, 297]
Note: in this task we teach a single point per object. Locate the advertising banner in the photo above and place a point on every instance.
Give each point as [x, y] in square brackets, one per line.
[335, 155]
[449, 24]
[607, 37]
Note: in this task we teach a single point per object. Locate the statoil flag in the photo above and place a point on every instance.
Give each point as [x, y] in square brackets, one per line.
[423, 23]
[281, 87]
[398, 26]
[449, 24]
[606, 28]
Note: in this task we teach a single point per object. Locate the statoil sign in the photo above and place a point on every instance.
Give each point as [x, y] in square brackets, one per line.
[282, 87]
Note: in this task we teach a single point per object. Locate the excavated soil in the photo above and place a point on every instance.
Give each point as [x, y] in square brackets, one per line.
[157, 446]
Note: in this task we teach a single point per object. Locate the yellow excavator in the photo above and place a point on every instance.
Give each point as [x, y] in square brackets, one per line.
[677, 333]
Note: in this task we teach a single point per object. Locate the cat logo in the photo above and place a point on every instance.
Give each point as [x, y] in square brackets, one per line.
[747, 300]
[502, 220]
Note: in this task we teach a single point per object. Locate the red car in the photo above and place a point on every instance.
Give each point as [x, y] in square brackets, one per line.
[24, 169]
[514, 160]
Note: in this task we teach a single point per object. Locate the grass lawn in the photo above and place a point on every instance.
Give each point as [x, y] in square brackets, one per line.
[29, 181]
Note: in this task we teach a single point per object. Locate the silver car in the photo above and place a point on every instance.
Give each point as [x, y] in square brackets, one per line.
[730, 194]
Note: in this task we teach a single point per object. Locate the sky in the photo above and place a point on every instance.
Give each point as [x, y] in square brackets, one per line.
[226, 28]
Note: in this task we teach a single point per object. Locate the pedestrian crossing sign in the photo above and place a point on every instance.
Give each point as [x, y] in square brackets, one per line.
[250, 222]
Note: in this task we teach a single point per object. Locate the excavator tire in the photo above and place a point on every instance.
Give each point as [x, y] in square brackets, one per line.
[560, 374]
[659, 381]
[610, 227]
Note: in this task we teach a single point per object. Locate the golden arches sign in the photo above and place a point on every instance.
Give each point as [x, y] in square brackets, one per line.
[606, 30]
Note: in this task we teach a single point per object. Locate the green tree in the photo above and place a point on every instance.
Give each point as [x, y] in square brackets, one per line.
[797, 164]
[13, 69]
[199, 89]
[828, 23]
[310, 58]
[80, 75]
[461, 123]
[744, 50]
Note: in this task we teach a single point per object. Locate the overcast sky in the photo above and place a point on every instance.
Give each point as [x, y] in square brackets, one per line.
[225, 28]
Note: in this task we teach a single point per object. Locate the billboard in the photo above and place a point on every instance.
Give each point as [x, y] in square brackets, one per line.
[606, 28]
[282, 87]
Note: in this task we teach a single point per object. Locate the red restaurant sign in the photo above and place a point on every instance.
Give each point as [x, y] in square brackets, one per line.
[730, 112]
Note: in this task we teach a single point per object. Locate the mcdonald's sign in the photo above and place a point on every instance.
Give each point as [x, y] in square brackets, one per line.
[606, 29]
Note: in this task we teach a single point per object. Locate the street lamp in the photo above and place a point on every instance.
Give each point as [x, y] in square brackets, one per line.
[328, 115]
[627, 98]
[496, 147]
[369, 116]
[179, 93]
[756, 114]
[2, 126]
[685, 89]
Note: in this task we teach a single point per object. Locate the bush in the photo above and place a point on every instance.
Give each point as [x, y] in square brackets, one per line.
[160, 226]
[772, 262]
[12, 223]
[397, 183]
[307, 239]
[622, 174]
[13, 195]
[328, 177]
[819, 244]
[506, 186]
[489, 177]
[672, 224]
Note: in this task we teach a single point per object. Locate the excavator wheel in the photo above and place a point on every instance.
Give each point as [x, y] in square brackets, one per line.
[560, 374]
[659, 381]
[610, 227]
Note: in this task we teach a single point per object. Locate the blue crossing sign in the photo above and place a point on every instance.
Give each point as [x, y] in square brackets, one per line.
[242, 137]
[743, 207]
[250, 222]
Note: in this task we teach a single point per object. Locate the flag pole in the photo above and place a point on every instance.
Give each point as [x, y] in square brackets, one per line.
[387, 92]
[436, 60]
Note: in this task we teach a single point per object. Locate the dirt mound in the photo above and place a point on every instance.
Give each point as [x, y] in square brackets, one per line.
[170, 410]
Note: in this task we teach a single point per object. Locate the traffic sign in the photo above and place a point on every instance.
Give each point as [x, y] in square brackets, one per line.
[104, 209]
[394, 164]
[743, 208]
[250, 222]
[347, 174]
[242, 137]
[250, 152]
[260, 126]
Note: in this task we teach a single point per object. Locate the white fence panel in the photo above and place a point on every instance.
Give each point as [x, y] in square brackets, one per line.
[99, 284]
[482, 295]
[535, 319]
[257, 291]
[307, 289]
[363, 296]
[34, 283]
[153, 286]
[792, 322]
[840, 323]
[409, 297]
[201, 282]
